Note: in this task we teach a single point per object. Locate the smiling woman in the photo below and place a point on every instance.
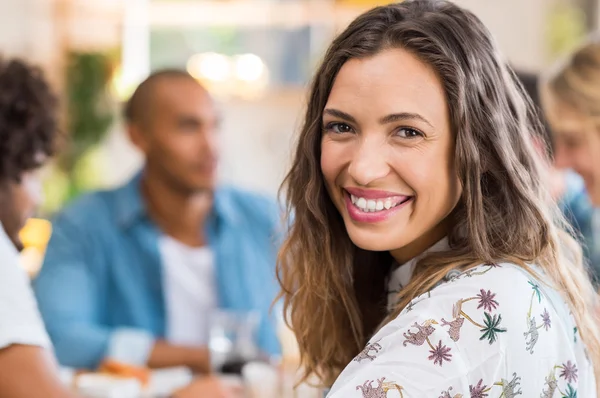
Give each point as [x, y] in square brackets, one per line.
[425, 255]
[387, 130]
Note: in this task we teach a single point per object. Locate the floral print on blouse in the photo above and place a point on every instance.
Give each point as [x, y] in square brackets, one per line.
[490, 332]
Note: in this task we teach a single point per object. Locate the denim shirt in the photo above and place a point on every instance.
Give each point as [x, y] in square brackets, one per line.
[584, 218]
[100, 290]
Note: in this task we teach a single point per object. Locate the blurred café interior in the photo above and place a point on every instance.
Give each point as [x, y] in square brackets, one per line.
[255, 58]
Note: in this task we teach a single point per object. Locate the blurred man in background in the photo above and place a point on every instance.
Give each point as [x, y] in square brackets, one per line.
[133, 274]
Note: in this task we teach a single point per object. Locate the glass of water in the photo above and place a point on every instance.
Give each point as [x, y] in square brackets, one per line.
[232, 340]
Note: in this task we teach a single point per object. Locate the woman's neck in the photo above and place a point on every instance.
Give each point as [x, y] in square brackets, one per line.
[420, 245]
[178, 214]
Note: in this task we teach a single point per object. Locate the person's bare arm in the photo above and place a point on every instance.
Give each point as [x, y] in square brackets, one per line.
[30, 371]
[165, 355]
[209, 387]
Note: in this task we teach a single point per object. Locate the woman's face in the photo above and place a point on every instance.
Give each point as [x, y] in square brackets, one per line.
[387, 153]
[576, 144]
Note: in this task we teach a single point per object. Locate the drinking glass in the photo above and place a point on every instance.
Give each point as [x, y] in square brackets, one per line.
[232, 340]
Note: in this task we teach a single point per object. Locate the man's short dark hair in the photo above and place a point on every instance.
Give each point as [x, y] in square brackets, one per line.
[138, 105]
[28, 119]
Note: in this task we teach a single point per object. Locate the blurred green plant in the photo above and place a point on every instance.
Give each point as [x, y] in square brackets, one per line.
[90, 113]
[90, 104]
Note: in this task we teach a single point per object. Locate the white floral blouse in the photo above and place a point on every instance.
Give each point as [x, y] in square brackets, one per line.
[492, 331]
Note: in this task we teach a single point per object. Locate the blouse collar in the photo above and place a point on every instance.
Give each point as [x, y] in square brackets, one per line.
[401, 275]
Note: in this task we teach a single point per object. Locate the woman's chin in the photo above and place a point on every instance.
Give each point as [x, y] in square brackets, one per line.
[372, 240]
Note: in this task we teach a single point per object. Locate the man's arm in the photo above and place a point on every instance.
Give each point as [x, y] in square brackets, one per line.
[164, 355]
[69, 296]
[69, 300]
[30, 371]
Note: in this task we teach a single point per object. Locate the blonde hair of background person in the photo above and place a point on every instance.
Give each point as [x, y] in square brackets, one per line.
[333, 289]
[570, 95]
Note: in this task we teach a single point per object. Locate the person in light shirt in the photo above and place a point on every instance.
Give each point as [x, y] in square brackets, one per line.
[426, 257]
[28, 126]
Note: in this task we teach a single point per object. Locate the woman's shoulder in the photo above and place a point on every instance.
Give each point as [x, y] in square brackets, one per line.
[491, 286]
[490, 274]
[492, 327]
[491, 307]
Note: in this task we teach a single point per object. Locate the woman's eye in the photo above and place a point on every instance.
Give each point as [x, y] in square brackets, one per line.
[338, 128]
[406, 132]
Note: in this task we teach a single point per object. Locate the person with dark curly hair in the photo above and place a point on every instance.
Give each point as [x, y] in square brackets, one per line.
[28, 125]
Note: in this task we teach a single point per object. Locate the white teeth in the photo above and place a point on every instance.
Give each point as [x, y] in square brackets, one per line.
[374, 205]
[362, 203]
[371, 205]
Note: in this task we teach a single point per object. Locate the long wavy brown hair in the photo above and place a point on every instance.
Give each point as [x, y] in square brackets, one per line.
[333, 291]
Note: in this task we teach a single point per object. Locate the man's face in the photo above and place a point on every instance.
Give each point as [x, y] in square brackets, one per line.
[18, 203]
[179, 135]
